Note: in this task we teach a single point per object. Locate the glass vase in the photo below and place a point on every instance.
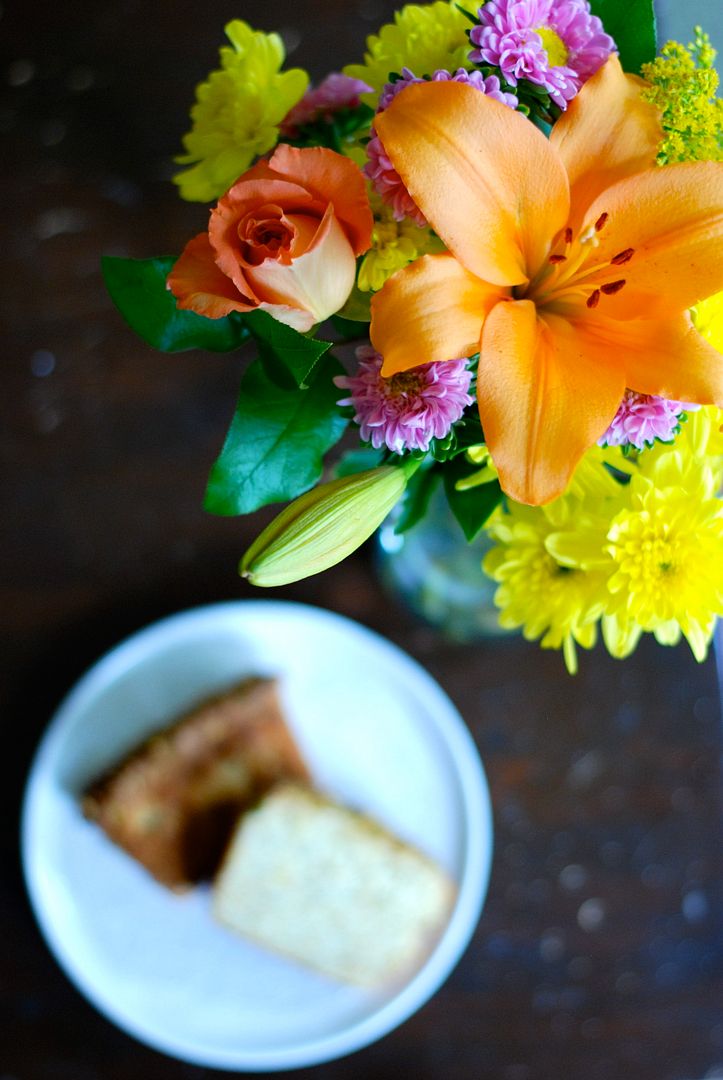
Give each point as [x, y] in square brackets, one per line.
[438, 574]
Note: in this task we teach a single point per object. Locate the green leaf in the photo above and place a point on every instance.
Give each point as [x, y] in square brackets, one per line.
[138, 289]
[472, 507]
[335, 132]
[416, 498]
[467, 432]
[348, 329]
[467, 14]
[356, 461]
[358, 307]
[280, 344]
[535, 102]
[631, 23]
[276, 442]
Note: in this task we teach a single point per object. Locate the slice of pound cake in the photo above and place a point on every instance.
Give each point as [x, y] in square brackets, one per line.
[331, 887]
[174, 802]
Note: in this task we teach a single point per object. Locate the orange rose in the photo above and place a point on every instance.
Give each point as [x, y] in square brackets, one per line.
[283, 239]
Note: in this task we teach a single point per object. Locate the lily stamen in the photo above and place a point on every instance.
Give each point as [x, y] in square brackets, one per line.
[612, 287]
[564, 280]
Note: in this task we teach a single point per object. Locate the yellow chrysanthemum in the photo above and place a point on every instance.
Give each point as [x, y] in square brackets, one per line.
[708, 319]
[704, 435]
[700, 440]
[667, 551]
[683, 84]
[646, 555]
[547, 600]
[423, 37]
[394, 245]
[657, 543]
[237, 112]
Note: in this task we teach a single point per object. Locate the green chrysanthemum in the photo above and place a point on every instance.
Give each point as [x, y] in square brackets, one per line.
[423, 38]
[237, 112]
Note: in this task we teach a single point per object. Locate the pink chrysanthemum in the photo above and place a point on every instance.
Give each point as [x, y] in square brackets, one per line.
[490, 86]
[391, 89]
[643, 418]
[335, 92]
[389, 184]
[408, 410]
[556, 44]
[379, 169]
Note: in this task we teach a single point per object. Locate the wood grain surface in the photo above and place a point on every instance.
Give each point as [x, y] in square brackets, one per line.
[600, 951]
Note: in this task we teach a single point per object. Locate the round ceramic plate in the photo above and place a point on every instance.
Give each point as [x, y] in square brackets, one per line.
[379, 735]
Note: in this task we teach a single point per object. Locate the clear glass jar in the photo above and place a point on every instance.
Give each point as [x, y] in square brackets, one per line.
[438, 574]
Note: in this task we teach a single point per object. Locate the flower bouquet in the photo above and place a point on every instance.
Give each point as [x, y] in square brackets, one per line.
[517, 209]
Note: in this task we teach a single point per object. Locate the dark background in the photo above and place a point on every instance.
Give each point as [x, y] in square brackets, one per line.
[600, 950]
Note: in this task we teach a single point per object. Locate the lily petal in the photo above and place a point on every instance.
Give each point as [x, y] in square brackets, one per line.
[482, 174]
[546, 392]
[667, 357]
[431, 310]
[199, 285]
[333, 179]
[607, 133]
[671, 219]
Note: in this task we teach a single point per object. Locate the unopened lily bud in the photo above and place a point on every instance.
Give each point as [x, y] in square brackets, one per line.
[322, 527]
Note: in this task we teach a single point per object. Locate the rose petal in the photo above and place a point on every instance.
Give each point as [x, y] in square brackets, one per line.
[331, 178]
[199, 285]
[318, 282]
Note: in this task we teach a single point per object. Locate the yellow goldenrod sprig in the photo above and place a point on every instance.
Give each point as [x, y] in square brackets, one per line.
[683, 84]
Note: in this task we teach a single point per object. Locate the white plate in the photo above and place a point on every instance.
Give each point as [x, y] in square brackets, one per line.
[379, 734]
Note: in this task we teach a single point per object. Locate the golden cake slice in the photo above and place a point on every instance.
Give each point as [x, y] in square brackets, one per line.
[174, 802]
[331, 888]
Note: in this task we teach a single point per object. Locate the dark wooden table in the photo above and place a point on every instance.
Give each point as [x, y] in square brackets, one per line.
[600, 951]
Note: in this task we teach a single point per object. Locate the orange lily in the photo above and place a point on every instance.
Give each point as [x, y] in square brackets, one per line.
[572, 264]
